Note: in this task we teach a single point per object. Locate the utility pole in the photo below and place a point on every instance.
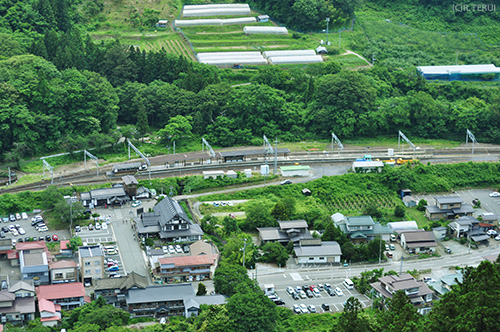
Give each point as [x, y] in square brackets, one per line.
[380, 251]
[276, 158]
[10, 182]
[327, 22]
[244, 247]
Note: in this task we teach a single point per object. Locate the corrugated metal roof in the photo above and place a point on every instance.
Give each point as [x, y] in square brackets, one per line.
[462, 69]
[295, 168]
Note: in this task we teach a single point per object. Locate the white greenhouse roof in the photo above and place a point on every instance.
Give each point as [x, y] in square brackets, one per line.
[268, 30]
[243, 10]
[462, 69]
[295, 59]
[233, 61]
[268, 54]
[215, 21]
[219, 5]
[218, 55]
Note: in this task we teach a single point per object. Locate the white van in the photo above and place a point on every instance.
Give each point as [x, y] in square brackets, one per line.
[348, 284]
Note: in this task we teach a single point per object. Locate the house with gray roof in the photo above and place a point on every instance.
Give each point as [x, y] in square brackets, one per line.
[420, 294]
[23, 288]
[418, 242]
[114, 290]
[291, 230]
[317, 252]
[104, 196]
[445, 283]
[34, 259]
[16, 310]
[362, 228]
[169, 221]
[448, 207]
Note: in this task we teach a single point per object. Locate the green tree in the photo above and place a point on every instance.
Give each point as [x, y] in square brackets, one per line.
[213, 318]
[289, 247]
[401, 315]
[258, 215]
[351, 319]
[142, 122]
[274, 252]
[422, 203]
[230, 225]
[67, 211]
[177, 128]
[228, 276]
[96, 313]
[399, 211]
[250, 310]
[74, 243]
[202, 289]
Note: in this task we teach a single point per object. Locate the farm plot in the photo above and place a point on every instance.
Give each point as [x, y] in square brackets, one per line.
[172, 43]
[352, 202]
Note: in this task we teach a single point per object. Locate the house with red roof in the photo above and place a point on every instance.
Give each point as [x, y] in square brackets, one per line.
[187, 268]
[64, 250]
[69, 296]
[63, 271]
[50, 313]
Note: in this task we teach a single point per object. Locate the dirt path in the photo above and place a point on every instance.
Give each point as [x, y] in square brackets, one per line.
[359, 56]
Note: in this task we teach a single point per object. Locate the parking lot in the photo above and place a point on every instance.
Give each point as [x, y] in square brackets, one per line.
[336, 303]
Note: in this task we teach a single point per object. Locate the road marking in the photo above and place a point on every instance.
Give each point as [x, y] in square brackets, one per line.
[295, 276]
[284, 275]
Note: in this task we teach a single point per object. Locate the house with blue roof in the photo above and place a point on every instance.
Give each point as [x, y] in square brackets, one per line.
[361, 229]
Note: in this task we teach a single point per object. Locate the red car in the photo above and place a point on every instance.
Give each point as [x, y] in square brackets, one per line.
[55, 238]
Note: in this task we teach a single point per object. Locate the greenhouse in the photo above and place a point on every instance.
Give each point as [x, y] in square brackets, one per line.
[229, 59]
[214, 21]
[215, 10]
[279, 60]
[265, 30]
[268, 54]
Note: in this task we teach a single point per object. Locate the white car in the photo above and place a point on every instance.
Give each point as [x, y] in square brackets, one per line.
[104, 226]
[136, 203]
[303, 308]
[97, 226]
[497, 238]
[165, 249]
[178, 249]
[15, 232]
[338, 291]
[491, 232]
[316, 292]
[24, 215]
[43, 229]
[495, 194]
[171, 249]
[18, 216]
[21, 231]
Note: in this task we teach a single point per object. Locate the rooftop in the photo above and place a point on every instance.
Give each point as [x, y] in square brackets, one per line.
[461, 69]
[30, 245]
[107, 193]
[424, 236]
[132, 280]
[90, 251]
[360, 221]
[449, 200]
[129, 180]
[295, 168]
[284, 225]
[22, 285]
[189, 260]
[160, 293]
[60, 291]
[64, 264]
[327, 248]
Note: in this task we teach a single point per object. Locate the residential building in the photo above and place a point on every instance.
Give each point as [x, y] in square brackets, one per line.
[63, 271]
[202, 247]
[489, 218]
[361, 229]
[292, 230]
[418, 242]
[91, 260]
[170, 222]
[186, 268]
[462, 226]
[444, 284]
[16, 310]
[439, 232]
[317, 252]
[23, 288]
[68, 296]
[130, 185]
[114, 290]
[5, 247]
[448, 208]
[167, 300]
[64, 249]
[105, 196]
[420, 294]
[50, 313]
[34, 259]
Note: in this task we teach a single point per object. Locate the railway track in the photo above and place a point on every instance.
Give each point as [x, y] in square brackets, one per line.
[317, 158]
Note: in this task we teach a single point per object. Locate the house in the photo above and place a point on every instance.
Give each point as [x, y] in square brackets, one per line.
[292, 230]
[402, 225]
[317, 252]
[418, 242]
[420, 294]
[448, 208]
[23, 288]
[213, 174]
[269, 289]
[91, 259]
[361, 229]
[50, 313]
[130, 185]
[192, 305]
[288, 171]
[489, 218]
[170, 222]
[186, 268]
[34, 259]
[158, 301]
[203, 248]
[439, 232]
[410, 201]
[68, 296]
[461, 226]
[5, 247]
[63, 271]
[64, 250]
[444, 284]
[104, 197]
[114, 290]
[16, 310]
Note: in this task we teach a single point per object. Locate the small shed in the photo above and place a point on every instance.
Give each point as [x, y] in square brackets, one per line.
[321, 50]
[402, 225]
[306, 192]
[410, 201]
[264, 169]
[263, 18]
[439, 232]
[248, 172]
[161, 23]
[295, 170]
[212, 174]
[269, 289]
[231, 174]
[367, 166]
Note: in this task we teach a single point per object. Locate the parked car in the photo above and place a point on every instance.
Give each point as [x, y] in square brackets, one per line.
[104, 226]
[41, 238]
[11, 228]
[185, 248]
[113, 268]
[2, 234]
[115, 275]
[110, 264]
[24, 215]
[389, 254]
[21, 231]
[316, 292]
[295, 296]
[12, 217]
[171, 249]
[18, 216]
[43, 229]
[48, 238]
[497, 238]
[309, 293]
[55, 237]
[311, 308]
[302, 294]
[327, 286]
[338, 292]
[289, 290]
[20, 240]
[5, 229]
[165, 249]
[296, 309]
[178, 249]
[136, 203]
[111, 251]
[321, 286]
[4, 284]
[279, 302]
[91, 227]
[15, 232]
[303, 308]
[392, 246]
[491, 232]
[495, 194]
[325, 307]
[286, 182]
[297, 289]
[97, 226]
[331, 291]
[386, 247]
[78, 229]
